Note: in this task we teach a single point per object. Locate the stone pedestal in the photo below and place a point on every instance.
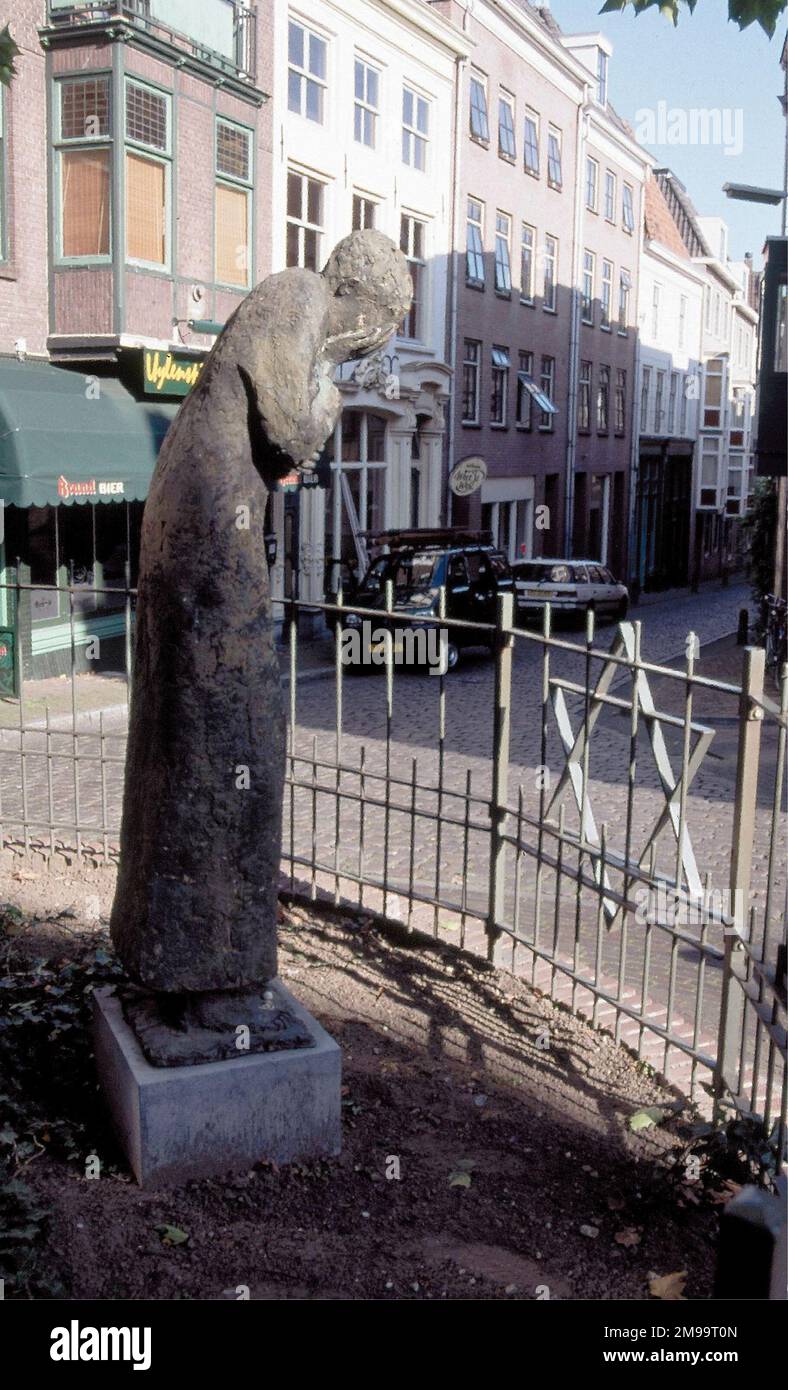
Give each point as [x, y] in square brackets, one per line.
[179, 1123]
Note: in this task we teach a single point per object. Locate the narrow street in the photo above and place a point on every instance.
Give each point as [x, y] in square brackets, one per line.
[450, 860]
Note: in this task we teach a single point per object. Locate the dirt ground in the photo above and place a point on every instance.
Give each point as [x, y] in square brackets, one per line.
[486, 1153]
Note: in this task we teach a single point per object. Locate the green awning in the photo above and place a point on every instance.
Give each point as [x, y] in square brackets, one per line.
[68, 436]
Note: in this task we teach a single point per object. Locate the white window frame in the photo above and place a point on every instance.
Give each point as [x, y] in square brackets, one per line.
[527, 291]
[554, 133]
[624, 301]
[421, 297]
[500, 364]
[477, 224]
[476, 364]
[413, 138]
[606, 297]
[611, 196]
[547, 386]
[304, 72]
[550, 259]
[584, 392]
[533, 117]
[588, 287]
[478, 112]
[506, 100]
[525, 366]
[302, 222]
[628, 208]
[503, 252]
[592, 184]
[363, 104]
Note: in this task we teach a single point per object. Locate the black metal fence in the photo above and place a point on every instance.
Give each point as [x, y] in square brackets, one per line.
[559, 811]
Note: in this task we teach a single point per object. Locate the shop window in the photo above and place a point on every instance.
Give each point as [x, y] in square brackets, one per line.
[39, 551]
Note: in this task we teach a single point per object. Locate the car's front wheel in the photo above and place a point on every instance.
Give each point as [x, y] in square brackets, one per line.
[622, 610]
[452, 655]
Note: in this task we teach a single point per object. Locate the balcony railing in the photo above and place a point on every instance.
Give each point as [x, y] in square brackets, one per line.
[219, 32]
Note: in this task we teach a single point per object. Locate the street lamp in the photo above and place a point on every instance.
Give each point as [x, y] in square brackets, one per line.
[748, 193]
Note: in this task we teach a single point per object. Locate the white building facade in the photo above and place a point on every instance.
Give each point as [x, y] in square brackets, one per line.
[728, 349]
[670, 313]
[723, 476]
[364, 129]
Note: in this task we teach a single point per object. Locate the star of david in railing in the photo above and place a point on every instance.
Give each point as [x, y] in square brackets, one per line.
[673, 787]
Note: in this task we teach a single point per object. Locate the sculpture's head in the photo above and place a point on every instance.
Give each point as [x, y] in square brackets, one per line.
[372, 291]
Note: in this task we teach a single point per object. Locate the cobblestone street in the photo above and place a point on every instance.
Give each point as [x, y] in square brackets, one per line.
[331, 842]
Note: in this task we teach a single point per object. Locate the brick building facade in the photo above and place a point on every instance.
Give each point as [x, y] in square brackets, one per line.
[135, 176]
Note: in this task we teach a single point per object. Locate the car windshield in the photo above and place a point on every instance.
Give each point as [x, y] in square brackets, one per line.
[409, 571]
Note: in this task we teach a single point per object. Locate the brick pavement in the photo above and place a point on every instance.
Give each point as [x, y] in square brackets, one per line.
[404, 836]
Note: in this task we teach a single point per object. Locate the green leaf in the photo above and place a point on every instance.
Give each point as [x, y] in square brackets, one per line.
[643, 1119]
[172, 1235]
[9, 50]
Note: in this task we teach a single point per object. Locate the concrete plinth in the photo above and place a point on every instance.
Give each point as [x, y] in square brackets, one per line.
[178, 1123]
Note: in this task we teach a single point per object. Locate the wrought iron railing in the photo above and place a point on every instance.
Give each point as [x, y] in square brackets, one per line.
[151, 17]
[560, 812]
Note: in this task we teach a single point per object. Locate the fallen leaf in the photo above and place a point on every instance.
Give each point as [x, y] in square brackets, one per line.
[628, 1237]
[668, 1287]
[172, 1235]
[457, 1179]
[643, 1119]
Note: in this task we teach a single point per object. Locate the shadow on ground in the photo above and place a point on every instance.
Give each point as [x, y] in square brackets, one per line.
[486, 1149]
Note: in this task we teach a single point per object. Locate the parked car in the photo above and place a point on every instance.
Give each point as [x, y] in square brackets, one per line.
[571, 587]
[419, 563]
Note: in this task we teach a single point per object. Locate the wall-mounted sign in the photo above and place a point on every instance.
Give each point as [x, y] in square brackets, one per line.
[467, 476]
[294, 481]
[168, 373]
[90, 487]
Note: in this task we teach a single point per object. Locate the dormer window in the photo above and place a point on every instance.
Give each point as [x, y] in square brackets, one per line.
[601, 77]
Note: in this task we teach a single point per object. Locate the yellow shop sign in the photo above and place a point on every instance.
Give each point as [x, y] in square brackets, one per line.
[169, 373]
